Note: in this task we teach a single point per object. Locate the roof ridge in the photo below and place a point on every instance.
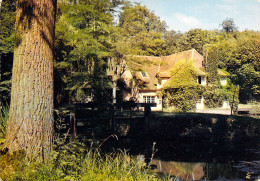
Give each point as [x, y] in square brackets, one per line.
[181, 52]
[146, 56]
[192, 50]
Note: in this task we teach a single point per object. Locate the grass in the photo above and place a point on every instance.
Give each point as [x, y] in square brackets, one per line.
[249, 105]
[74, 161]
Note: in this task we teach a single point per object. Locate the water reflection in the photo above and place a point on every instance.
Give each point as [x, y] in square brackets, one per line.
[185, 171]
[197, 171]
[194, 146]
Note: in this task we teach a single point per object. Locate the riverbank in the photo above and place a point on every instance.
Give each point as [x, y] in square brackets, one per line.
[75, 161]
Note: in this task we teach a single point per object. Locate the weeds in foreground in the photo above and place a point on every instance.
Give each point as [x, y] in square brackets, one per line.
[74, 161]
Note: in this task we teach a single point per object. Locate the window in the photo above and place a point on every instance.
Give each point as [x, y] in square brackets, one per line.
[149, 99]
[199, 99]
[223, 81]
[199, 79]
[144, 74]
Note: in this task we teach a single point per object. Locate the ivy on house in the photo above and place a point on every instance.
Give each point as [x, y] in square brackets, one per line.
[215, 94]
[182, 89]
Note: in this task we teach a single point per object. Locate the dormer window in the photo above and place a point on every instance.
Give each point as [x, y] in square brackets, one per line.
[144, 74]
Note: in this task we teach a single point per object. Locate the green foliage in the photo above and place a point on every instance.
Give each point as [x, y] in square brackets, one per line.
[239, 54]
[4, 115]
[182, 90]
[74, 161]
[228, 25]
[215, 94]
[5, 91]
[231, 92]
[213, 97]
[255, 111]
[183, 74]
[84, 32]
[183, 99]
[87, 34]
[172, 38]
[140, 32]
[7, 21]
[195, 38]
[211, 63]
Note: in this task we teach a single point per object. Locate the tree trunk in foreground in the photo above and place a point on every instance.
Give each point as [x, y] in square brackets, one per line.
[30, 125]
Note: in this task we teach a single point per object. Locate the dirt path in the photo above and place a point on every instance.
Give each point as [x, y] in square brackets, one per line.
[215, 111]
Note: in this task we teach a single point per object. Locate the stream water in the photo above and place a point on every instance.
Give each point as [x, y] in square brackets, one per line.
[195, 160]
[196, 148]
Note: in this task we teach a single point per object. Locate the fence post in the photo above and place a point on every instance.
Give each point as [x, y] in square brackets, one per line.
[111, 116]
[73, 122]
[147, 112]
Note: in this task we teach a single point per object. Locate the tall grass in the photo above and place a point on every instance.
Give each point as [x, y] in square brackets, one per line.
[73, 161]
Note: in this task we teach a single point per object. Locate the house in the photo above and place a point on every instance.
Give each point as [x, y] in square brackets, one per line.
[155, 74]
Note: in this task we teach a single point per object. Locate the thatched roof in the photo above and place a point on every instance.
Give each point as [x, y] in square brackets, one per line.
[150, 67]
[160, 67]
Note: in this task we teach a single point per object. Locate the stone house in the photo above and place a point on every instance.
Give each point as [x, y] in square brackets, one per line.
[155, 74]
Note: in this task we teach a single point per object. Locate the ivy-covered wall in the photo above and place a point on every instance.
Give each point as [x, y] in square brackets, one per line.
[182, 90]
[215, 94]
[180, 95]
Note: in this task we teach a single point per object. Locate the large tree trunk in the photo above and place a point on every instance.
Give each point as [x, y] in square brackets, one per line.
[30, 125]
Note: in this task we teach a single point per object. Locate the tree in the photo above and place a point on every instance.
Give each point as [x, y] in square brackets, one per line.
[211, 63]
[140, 32]
[30, 124]
[239, 55]
[171, 39]
[228, 25]
[195, 38]
[84, 44]
[7, 21]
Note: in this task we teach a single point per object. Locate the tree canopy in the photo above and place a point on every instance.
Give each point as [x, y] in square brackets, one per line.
[92, 34]
[140, 31]
[228, 25]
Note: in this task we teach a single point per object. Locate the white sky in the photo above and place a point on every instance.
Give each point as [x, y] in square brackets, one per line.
[183, 15]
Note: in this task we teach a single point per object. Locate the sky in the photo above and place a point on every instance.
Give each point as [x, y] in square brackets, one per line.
[183, 15]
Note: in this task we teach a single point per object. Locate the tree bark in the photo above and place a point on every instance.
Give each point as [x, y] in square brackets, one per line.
[30, 124]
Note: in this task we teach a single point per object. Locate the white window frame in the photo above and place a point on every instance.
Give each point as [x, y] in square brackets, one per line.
[149, 99]
[199, 100]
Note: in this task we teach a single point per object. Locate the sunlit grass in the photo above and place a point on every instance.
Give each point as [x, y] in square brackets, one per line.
[73, 161]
